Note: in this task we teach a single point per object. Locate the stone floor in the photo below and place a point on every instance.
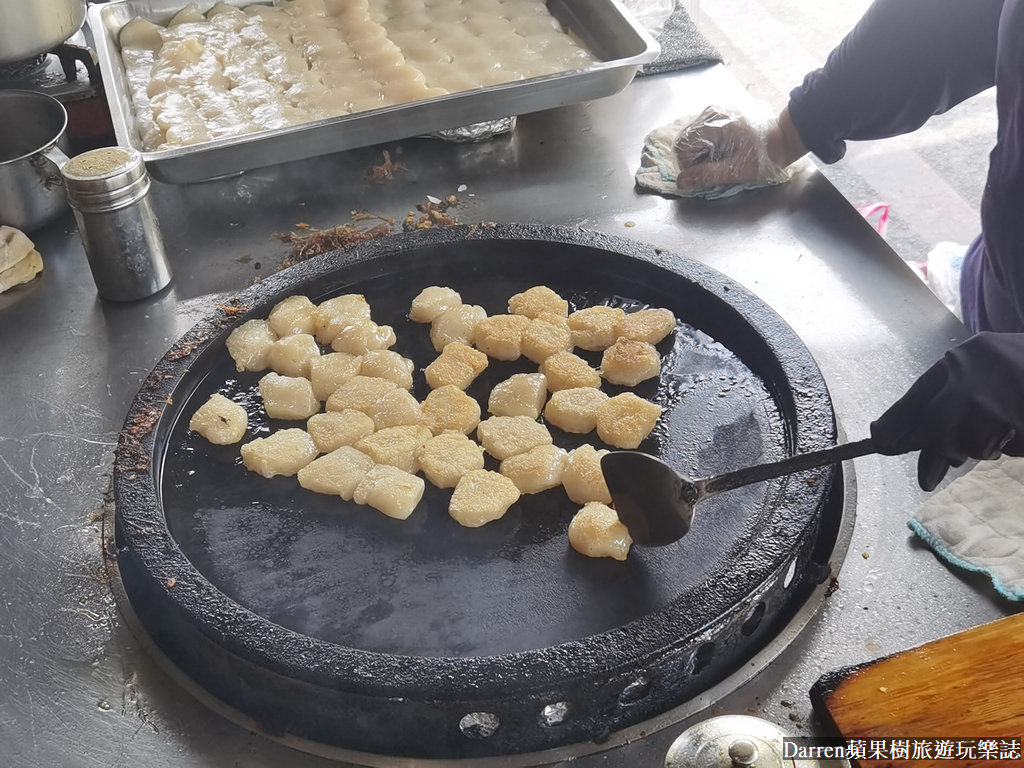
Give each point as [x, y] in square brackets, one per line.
[931, 179]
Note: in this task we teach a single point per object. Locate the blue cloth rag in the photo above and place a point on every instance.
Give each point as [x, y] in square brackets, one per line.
[977, 523]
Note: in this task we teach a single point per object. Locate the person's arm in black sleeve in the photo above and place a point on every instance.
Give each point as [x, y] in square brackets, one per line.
[969, 405]
[996, 278]
[905, 61]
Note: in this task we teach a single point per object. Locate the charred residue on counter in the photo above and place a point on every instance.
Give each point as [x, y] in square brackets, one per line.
[307, 242]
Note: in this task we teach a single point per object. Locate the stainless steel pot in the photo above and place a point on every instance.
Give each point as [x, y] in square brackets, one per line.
[32, 150]
[31, 27]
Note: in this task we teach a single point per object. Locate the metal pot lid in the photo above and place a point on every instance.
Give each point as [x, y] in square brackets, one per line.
[736, 741]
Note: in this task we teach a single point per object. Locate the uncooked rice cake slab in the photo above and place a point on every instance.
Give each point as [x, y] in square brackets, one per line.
[235, 71]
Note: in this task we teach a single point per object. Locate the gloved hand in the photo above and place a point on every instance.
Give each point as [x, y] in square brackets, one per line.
[722, 148]
[968, 405]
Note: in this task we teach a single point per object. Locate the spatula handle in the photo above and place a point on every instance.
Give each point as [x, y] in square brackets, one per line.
[729, 480]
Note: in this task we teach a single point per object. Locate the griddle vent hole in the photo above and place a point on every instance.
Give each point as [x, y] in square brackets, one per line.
[554, 714]
[701, 658]
[479, 725]
[753, 621]
[635, 691]
[790, 574]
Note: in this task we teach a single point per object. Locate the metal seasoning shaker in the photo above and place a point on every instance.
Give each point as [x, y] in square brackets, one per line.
[108, 189]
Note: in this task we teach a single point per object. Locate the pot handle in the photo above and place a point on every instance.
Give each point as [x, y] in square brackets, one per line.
[48, 164]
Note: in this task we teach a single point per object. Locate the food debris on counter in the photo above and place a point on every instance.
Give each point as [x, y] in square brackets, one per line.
[132, 456]
[435, 214]
[234, 308]
[308, 242]
[306, 246]
[386, 170]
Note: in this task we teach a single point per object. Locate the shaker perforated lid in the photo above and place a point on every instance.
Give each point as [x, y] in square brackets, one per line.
[105, 179]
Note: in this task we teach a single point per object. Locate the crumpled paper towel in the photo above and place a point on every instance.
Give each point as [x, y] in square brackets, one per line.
[977, 523]
[659, 167]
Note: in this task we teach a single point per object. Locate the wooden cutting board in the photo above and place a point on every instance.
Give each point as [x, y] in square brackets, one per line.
[967, 685]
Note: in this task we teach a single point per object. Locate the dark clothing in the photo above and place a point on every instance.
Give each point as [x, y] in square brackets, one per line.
[907, 60]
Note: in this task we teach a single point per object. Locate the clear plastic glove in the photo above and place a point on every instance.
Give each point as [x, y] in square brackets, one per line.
[969, 405]
[723, 149]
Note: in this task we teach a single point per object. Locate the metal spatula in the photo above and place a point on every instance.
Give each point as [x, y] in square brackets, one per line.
[656, 503]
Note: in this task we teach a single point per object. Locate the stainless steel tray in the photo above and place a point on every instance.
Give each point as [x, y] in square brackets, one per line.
[604, 26]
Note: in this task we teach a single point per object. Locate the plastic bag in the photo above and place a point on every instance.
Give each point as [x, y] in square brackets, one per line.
[942, 273]
[652, 14]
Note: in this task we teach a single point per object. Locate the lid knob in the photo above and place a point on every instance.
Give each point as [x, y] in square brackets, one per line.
[743, 753]
[736, 741]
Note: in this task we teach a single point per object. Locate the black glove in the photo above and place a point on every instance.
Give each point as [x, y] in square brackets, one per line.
[970, 404]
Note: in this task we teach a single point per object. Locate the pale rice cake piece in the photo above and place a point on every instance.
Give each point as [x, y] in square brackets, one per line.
[545, 336]
[447, 371]
[283, 453]
[431, 302]
[390, 490]
[501, 336]
[583, 479]
[334, 429]
[574, 410]
[294, 314]
[456, 324]
[249, 344]
[555, 318]
[288, 397]
[458, 365]
[357, 337]
[336, 473]
[595, 328]
[330, 371]
[567, 370]
[650, 325]
[386, 364]
[359, 393]
[537, 300]
[335, 313]
[505, 436]
[219, 9]
[482, 496]
[464, 353]
[626, 420]
[596, 531]
[395, 408]
[187, 15]
[627, 362]
[536, 470]
[449, 408]
[140, 33]
[220, 420]
[292, 355]
[396, 446]
[444, 459]
[522, 394]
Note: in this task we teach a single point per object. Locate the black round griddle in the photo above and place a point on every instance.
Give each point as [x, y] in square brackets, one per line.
[326, 620]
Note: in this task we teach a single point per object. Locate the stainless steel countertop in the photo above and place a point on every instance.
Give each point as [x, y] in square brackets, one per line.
[77, 689]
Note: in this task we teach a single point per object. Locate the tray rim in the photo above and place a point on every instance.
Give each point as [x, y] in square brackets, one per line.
[229, 155]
